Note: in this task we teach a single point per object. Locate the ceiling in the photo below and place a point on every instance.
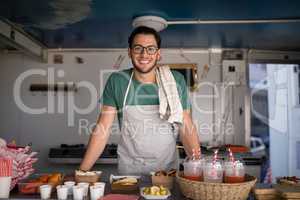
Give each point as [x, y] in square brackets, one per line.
[107, 23]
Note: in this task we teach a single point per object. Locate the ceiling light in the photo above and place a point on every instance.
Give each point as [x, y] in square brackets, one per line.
[159, 23]
[155, 22]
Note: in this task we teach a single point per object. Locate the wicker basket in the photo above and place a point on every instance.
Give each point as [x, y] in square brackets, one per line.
[215, 191]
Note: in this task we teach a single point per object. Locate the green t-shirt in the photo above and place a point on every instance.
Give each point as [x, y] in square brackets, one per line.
[139, 93]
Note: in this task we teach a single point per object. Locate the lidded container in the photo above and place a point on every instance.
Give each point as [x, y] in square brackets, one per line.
[234, 172]
[213, 170]
[193, 167]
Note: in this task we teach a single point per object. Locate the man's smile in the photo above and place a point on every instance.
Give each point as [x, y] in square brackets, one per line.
[144, 61]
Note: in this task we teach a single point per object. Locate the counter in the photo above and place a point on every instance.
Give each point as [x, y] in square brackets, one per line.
[145, 181]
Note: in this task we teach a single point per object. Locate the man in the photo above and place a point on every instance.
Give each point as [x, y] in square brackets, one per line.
[148, 143]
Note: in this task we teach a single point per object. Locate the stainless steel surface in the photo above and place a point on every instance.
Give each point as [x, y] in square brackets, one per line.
[78, 160]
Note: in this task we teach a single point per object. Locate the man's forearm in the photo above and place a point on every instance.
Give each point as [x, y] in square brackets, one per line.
[95, 148]
[99, 137]
[189, 135]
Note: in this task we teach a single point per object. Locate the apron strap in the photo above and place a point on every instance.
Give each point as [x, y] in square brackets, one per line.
[127, 90]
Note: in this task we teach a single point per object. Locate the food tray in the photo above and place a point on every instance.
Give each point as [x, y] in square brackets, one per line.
[124, 189]
[26, 186]
[154, 196]
[89, 178]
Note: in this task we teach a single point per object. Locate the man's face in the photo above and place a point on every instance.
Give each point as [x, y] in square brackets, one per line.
[144, 53]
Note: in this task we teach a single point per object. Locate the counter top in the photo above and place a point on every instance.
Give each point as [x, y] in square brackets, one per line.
[145, 181]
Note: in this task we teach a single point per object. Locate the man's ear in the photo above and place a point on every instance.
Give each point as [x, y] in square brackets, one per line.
[129, 53]
[158, 55]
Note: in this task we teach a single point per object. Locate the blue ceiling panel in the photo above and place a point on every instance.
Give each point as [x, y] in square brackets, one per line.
[107, 23]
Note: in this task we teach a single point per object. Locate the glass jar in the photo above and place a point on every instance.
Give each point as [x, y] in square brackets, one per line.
[234, 172]
[213, 171]
[193, 169]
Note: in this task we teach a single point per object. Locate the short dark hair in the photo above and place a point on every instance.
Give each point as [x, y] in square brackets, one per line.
[144, 30]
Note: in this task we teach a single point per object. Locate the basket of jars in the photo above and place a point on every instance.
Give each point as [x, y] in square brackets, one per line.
[213, 179]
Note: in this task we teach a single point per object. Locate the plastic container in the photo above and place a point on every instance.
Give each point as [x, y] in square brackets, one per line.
[166, 181]
[149, 196]
[31, 185]
[213, 171]
[193, 169]
[5, 186]
[93, 177]
[45, 191]
[234, 172]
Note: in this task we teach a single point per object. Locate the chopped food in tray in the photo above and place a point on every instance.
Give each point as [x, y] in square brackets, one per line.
[31, 185]
[126, 181]
[87, 176]
[87, 173]
[155, 192]
[124, 184]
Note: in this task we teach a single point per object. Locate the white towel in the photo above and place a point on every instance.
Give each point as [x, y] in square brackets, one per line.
[170, 107]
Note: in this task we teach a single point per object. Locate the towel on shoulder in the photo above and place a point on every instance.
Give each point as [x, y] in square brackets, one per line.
[170, 107]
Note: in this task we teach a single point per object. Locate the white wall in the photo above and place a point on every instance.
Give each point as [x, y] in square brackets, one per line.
[278, 119]
[51, 129]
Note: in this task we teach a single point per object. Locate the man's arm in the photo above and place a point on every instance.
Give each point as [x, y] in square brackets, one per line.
[99, 137]
[188, 134]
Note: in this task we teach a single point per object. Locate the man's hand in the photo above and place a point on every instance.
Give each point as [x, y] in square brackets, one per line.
[99, 137]
[189, 135]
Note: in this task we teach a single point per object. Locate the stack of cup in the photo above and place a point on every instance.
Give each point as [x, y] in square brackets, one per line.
[78, 192]
[70, 185]
[62, 192]
[45, 191]
[97, 190]
[5, 176]
[85, 186]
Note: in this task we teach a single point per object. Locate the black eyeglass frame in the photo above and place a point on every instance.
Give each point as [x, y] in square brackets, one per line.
[137, 51]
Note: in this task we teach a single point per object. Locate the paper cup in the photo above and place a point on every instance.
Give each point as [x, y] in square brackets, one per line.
[86, 188]
[70, 185]
[62, 192]
[96, 192]
[78, 192]
[99, 184]
[5, 186]
[45, 191]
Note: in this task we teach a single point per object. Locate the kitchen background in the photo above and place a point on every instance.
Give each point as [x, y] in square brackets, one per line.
[86, 40]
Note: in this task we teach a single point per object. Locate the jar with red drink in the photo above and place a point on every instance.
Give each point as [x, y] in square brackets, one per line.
[234, 172]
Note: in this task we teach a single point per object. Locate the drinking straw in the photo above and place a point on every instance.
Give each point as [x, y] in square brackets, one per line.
[215, 157]
[5, 167]
[231, 157]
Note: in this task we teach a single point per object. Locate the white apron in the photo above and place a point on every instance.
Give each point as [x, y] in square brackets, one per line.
[147, 143]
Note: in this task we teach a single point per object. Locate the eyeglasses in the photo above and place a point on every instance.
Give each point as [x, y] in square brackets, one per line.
[139, 49]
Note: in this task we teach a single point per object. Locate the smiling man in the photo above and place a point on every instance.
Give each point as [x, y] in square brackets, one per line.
[148, 141]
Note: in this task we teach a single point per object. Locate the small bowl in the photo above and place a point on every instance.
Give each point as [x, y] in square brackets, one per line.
[88, 178]
[166, 181]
